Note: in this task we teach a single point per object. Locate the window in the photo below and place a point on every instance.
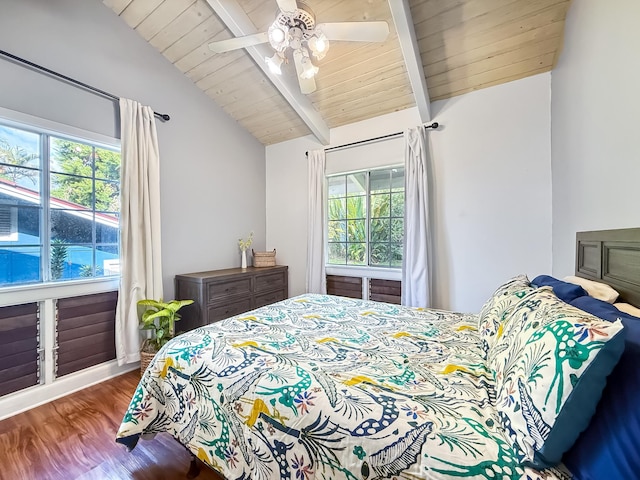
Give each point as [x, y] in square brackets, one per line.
[59, 207]
[366, 218]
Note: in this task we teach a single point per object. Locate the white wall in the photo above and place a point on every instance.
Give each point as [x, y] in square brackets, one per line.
[595, 109]
[491, 161]
[212, 170]
[493, 189]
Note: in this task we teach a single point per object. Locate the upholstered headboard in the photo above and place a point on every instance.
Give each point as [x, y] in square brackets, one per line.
[612, 257]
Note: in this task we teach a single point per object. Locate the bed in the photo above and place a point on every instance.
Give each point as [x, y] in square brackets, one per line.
[322, 387]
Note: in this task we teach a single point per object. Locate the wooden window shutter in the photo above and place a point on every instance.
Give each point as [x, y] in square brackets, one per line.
[86, 331]
[389, 291]
[344, 286]
[19, 347]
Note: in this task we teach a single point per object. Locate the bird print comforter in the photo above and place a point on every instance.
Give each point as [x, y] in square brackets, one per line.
[323, 387]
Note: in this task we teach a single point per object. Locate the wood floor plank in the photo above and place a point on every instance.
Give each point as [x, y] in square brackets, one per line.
[74, 438]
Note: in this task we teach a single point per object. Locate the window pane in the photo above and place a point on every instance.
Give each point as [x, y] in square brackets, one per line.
[71, 157]
[107, 164]
[11, 194]
[338, 231]
[24, 181]
[397, 204]
[107, 260]
[397, 230]
[107, 196]
[357, 184]
[356, 231]
[380, 230]
[66, 189]
[337, 208]
[107, 228]
[380, 181]
[20, 148]
[71, 226]
[356, 207]
[19, 265]
[380, 205]
[397, 179]
[380, 254]
[19, 243]
[81, 260]
[356, 253]
[337, 186]
[19, 224]
[337, 253]
[396, 255]
[60, 264]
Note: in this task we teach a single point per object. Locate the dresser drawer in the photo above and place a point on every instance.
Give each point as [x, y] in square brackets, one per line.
[223, 290]
[270, 281]
[269, 298]
[229, 310]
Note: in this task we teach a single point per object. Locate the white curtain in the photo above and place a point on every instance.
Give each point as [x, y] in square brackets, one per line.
[140, 259]
[416, 259]
[316, 277]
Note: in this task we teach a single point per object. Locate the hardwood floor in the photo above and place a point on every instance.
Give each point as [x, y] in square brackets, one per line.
[74, 438]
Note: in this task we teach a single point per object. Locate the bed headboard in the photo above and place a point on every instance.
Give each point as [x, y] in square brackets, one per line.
[612, 257]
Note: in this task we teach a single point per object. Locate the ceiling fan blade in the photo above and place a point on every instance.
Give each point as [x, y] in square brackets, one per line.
[238, 42]
[287, 5]
[307, 85]
[355, 31]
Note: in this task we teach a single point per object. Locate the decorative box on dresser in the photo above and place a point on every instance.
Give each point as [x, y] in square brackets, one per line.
[219, 294]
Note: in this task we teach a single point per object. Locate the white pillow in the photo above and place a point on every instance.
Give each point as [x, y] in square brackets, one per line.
[598, 290]
[626, 308]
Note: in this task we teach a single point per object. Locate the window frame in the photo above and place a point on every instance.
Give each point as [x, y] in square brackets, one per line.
[25, 292]
[383, 273]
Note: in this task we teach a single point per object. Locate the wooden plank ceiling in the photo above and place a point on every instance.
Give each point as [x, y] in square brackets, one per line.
[465, 45]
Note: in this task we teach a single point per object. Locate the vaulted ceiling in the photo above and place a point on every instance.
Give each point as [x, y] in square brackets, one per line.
[455, 46]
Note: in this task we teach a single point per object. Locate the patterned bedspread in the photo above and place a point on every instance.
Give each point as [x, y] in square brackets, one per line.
[321, 387]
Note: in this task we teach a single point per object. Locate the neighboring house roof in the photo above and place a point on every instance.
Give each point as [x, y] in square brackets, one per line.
[20, 192]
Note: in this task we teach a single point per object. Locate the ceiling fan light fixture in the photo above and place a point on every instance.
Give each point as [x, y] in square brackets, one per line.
[319, 45]
[275, 63]
[278, 36]
[309, 70]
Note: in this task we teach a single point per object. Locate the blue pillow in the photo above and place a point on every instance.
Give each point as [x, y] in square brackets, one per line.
[610, 446]
[565, 291]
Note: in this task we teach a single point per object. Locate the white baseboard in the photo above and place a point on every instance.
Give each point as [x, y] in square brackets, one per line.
[35, 396]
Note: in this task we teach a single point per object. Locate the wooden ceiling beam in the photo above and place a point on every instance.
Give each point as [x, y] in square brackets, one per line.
[403, 20]
[237, 21]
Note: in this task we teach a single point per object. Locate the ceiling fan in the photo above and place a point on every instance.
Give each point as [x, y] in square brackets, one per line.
[295, 30]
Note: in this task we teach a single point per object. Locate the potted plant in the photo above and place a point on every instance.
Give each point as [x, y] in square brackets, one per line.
[159, 318]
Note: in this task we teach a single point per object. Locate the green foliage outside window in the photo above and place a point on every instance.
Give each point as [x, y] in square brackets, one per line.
[58, 258]
[75, 180]
[358, 237]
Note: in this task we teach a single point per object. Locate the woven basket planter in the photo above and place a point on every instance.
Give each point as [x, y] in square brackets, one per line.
[145, 360]
[264, 259]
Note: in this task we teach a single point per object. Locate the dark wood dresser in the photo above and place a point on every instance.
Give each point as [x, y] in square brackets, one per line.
[220, 294]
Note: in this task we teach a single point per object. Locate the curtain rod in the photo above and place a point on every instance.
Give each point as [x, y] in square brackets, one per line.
[162, 116]
[433, 125]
